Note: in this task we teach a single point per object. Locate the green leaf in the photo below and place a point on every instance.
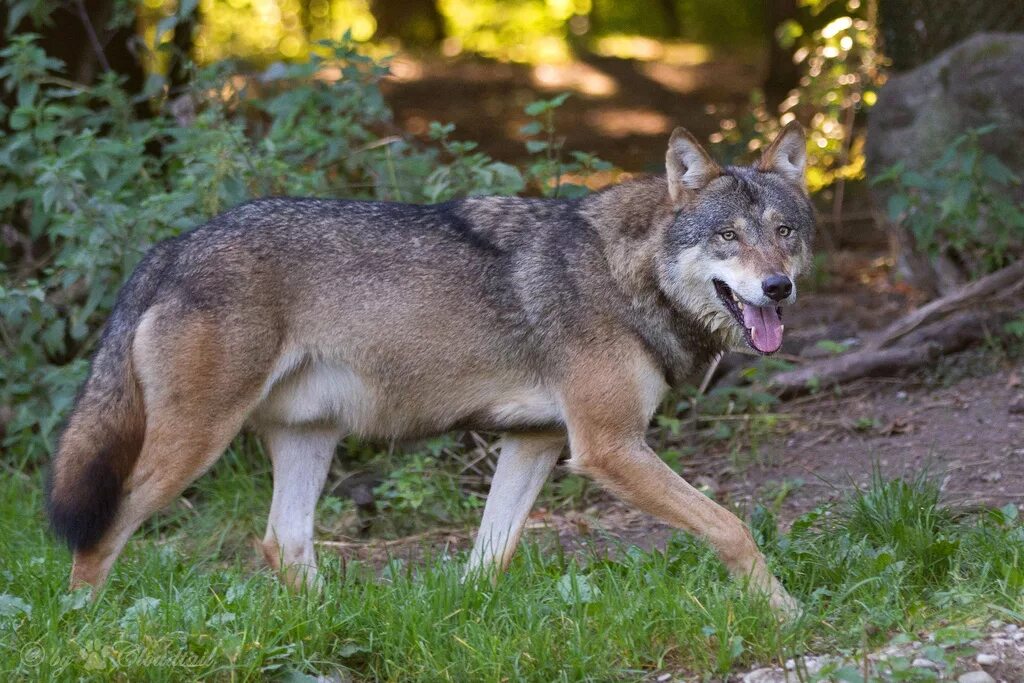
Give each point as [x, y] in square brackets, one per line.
[163, 27]
[141, 608]
[997, 171]
[1010, 513]
[20, 119]
[532, 128]
[915, 179]
[577, 589]
[848, 674]
[12, 605]
[897, 206]
[890, 174]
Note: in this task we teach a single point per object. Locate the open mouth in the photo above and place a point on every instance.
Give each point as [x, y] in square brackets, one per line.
[762, 325]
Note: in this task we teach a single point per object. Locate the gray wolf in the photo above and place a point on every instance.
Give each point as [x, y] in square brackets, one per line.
[553, 322]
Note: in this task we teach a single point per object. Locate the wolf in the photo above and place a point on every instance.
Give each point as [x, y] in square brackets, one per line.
[552, 322]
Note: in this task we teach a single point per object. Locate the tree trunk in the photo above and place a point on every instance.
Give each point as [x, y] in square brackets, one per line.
[79, 34]
[783, 75]
[417, 23]
[179, 70]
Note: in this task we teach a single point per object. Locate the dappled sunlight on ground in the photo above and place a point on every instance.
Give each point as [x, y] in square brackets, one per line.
[641, 48]
[621, 122]
[577, 76]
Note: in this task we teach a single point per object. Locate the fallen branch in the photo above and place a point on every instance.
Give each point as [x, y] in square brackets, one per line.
[1000, 284]
[917, 348]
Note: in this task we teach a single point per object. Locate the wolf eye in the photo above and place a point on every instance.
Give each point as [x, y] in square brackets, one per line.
[785, 230]
[728, 235]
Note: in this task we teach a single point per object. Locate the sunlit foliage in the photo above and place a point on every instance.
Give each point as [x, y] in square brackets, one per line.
[841, 71]
[529, 31]
[532, 31]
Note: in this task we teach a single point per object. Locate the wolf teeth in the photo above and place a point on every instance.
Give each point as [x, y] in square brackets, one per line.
[753, 332]
[739, 303]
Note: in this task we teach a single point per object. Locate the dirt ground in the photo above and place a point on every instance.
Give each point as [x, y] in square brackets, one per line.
[621, 109]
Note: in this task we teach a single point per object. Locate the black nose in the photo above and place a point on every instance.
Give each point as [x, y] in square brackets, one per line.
[777, 287]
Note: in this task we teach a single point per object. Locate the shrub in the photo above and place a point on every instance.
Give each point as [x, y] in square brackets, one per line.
[963, 207]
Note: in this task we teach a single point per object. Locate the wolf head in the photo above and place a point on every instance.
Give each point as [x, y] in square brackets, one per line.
[740, 237]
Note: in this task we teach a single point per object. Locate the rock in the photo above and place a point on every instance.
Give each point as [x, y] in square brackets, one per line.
[663, 677]
[986, 659]
[1016, 406]
[974, 83]
[768, 674]
[922, 663]
[992, 477]
[975, 677]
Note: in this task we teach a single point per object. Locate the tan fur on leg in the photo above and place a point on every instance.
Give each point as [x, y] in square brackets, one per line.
[607, 443]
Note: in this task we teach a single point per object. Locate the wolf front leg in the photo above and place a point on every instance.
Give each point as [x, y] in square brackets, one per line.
[524, 463]
[607, 422]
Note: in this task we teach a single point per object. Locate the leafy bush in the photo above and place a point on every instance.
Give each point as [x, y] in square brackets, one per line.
[87, 185]
[840, 69]
[963, 206]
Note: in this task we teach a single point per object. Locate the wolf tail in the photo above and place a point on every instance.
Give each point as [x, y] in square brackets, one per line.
[103, 436]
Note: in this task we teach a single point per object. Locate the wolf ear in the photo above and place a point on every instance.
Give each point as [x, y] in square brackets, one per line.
[688, 166]
[787, 155]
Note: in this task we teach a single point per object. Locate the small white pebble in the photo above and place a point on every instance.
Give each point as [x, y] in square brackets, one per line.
[922, 663]
[1018, 636]
[1012, 628]
[986, 659]
[790, 664]
[975, 677]
[664, 677]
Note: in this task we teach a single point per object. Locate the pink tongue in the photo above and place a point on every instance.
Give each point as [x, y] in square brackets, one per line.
[766, 327]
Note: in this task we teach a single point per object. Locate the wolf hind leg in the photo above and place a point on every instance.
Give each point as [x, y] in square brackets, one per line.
[301, 460]
[524, 463]
[200, 377]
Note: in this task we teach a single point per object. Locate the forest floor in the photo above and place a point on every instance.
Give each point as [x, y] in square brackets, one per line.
[621, 109]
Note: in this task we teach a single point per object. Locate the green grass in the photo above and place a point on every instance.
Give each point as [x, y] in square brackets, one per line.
[185, 602]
